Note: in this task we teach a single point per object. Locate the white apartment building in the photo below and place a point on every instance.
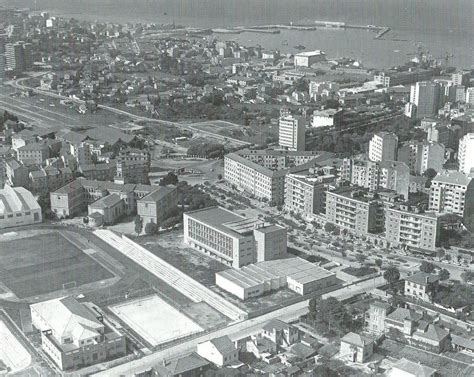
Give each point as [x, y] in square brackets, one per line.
[405, 226]
[291, 133]
[466, 153]
[383, 146]
[452, 192]
[470, 96]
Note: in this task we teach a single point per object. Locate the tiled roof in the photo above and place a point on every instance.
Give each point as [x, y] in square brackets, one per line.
[356, 339]
[223, 344]
[157, 194]
[422, 278]
[400, 314]
[106, 202]
[275, 324]
[67, 317]
[432, 332]
[413, 369]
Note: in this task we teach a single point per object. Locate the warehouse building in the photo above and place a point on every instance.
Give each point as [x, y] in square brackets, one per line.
[297, 274]
[231, 238]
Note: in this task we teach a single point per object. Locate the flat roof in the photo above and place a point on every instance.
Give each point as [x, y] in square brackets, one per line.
[310, 53]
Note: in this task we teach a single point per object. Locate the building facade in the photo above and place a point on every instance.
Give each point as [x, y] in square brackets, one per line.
[158, 205]
[383, 146]
[404, 226]
[466, 153]
[74, 334]
[291, 133]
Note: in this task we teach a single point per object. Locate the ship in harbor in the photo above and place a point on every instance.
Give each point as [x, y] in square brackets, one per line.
[300, 47]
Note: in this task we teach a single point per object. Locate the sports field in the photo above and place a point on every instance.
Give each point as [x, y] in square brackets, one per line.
[155, 320]
[12, 353]
[46, 263]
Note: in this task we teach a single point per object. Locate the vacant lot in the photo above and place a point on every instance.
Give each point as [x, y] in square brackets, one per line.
[46, 263]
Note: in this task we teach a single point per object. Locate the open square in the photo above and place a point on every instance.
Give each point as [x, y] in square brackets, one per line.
[155, 320]
[46, 263]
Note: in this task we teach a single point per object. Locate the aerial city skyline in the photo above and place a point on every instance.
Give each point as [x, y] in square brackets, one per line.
[236, 188]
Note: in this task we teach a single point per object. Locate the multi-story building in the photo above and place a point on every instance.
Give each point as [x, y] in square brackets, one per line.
[405, 225]
[133, 166]
[393, 78]
[220, 351]
[82, 153]
[16, 173]
[461, 78]
[395, 176]
[291, 133]
[18, 56]
[261, 173]
[158, 204]
[74, 334]
[305, 191]
[466, 153]
[230, 238]
[270, 242]
[34, 152]
[48, 179]
[308, 58]
[453, 192]
[74, 197]
[100, 172]
[470, 96]
[328, 118]
[355, 210]
[18, 207]
[421, 286]
[383, 146]
[421, 156]
[362, 173]
[425, 95]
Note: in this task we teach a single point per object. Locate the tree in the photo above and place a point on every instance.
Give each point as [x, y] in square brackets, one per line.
[169, 179]
[361, 258]
[427, 267]
[138, 225]
[440, 254]
[391, 275]
[151, 228]
[219, 177]
[378, 263]
[430, 173]
[444, 274]
[330, 227]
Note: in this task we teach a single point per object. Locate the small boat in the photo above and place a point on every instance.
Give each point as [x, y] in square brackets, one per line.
[300, 47]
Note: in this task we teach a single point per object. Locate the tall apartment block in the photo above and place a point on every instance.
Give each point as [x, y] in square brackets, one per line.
[426, 96]
[2, 57]
[466, 153]
[305, 192]
[291, 133]
[411, 227]
[354, 210]
[461, 78]
[18, 57]
[383, 146]
[133, 166]
[453, 192]
[421, 156]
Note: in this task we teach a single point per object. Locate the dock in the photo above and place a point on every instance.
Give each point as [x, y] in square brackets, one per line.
[382, 33]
